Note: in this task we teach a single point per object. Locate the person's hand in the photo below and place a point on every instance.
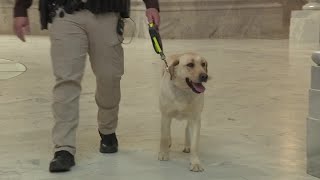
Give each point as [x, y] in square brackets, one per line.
[21, 27]
[153, 16]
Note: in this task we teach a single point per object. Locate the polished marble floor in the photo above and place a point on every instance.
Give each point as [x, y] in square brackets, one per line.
[253, 124]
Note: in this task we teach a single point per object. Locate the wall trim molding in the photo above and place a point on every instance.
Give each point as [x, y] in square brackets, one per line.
[206, 5]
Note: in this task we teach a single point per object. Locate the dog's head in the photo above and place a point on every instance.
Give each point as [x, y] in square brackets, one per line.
[189, 70]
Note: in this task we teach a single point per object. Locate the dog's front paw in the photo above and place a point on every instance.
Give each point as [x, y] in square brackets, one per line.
[186, 150]
[196, 167]
[163, 156]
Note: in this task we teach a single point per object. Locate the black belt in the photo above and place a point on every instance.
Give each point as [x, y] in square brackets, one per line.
[96, 6]
[70, 6]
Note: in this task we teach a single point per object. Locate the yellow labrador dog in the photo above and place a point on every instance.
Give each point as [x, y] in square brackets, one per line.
[182, 98]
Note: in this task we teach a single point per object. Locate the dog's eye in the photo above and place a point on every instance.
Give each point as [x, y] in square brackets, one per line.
[203, 64]
[190, 65]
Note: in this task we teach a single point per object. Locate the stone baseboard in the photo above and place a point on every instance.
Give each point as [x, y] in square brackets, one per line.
[189, 19]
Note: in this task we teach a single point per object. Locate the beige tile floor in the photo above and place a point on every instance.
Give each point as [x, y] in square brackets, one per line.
[253, 122]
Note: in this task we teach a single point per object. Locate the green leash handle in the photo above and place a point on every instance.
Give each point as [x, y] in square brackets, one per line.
[155, 38]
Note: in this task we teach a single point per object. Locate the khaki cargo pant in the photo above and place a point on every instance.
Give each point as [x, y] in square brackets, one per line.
[72, 38]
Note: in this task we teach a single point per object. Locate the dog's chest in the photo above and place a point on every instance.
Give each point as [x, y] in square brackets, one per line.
[183, 111]
[182, 115]
[180, 103]
[186, 107]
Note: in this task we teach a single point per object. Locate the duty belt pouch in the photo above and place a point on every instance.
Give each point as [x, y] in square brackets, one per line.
[44, 14]
[47, 10]
[125, 13]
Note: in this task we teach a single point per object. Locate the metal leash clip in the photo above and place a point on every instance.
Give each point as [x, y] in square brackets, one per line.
[156, 42]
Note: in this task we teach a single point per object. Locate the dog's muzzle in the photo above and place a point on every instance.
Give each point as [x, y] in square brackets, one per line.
[203, 77]
[195, 87]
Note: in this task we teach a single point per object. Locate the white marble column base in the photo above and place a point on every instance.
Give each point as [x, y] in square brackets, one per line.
[314, 98]
[313, 121]
[313, 147]
[305, 29]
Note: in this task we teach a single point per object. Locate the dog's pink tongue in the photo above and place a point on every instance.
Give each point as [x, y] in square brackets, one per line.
[199, 87]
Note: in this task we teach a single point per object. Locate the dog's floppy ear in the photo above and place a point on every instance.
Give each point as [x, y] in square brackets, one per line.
[206, 66]
[174, 62]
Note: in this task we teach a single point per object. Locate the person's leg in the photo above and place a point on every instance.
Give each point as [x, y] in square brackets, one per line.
[69, 46]
[106, 56]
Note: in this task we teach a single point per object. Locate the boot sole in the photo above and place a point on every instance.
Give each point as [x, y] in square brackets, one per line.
[57, 167]
[108, 149]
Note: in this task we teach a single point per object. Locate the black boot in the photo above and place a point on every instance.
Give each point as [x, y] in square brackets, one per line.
[108, 143]
[62, 161]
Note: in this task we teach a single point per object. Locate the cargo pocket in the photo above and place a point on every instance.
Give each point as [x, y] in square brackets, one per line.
[117, 60]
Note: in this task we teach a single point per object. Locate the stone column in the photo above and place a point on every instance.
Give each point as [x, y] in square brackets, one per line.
[312, 5]
[313, 120]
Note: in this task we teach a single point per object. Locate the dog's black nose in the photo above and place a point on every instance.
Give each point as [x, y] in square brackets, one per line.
[203, 77]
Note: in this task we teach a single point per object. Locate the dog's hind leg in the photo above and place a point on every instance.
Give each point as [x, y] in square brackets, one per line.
[165, 141]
